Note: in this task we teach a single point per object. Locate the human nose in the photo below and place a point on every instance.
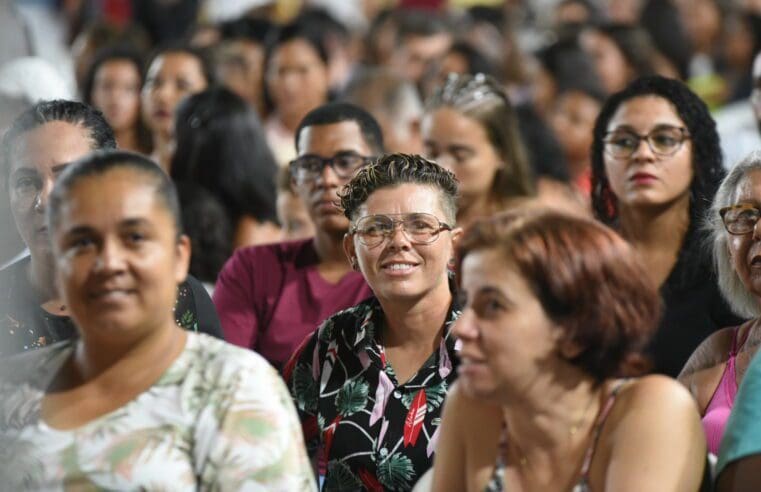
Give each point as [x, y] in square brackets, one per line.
[41, 200]
[464, 328]
[757, 230]
[327, 176]
[446, 161]
[110, 258]
[643, 149]
[397, 236]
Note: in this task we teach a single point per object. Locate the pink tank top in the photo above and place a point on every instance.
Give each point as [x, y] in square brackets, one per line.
[720, 406]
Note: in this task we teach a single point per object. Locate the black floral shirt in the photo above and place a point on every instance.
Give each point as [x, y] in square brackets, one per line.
[366, 430]
[24, 325]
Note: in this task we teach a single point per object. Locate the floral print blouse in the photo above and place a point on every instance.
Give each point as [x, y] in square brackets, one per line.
[365, 430]
[220, 418]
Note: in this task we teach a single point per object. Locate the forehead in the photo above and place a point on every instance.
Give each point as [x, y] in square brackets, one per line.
[327, 140]
[645, 112]
[104, 200]
[50, 145]
[404, 199]
[446, 123]
[118, 66]
[489, 267]
[175, 63]
[749, 186]
[295, 50]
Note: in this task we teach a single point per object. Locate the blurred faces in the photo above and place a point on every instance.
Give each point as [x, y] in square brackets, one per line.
[745, 249]
[755, 95]
[507, 338]
[461, 145]
[418, 53]
[702, 20]
[320, 195]
[241, 69]
[37, 158]
[611, 65]
[116, 92]
[398, 268]
[171, 77]
[294, 217]
[646, 179]
[118, 259]
[573, 120]
[297, 79]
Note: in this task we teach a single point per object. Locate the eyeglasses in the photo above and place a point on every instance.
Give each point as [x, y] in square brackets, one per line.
[741, 218]
[419, 228]
[306, 168]
[663, 141]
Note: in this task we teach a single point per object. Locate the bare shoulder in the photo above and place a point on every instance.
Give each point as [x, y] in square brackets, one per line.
[658, 392]
[713, 351]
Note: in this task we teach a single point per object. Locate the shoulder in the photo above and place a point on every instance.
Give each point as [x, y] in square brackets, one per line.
[708, 358]
[461, 405]
[267, 256]
[656, 391]
[223, 361]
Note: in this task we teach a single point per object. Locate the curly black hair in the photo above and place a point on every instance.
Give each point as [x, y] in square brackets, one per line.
[394, 169]
[706, 152]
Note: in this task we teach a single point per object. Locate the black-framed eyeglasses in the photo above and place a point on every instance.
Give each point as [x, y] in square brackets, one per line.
[741, 218]
[663, 141]
[307, 167]
[418, 228]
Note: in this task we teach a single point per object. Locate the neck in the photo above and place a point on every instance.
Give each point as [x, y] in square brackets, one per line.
[115, 360]
[419, 322]
[577, 167]
[127, 139]
[656, 229]
[290, 121]
[163, 150]
[329, 247]
[552, 419]
[471, 208]
[41, 275]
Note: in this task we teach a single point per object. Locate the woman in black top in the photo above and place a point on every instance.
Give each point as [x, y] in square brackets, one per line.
[41, 142]
[656, 165]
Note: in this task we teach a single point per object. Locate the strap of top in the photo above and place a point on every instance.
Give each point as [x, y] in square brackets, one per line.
[606, 408]
[735, 346]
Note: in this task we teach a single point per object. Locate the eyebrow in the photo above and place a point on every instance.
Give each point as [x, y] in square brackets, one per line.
[659, 126]
[126, 223]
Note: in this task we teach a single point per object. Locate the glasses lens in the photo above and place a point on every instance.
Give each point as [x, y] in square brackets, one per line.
[622, 144]
[666, 141]
[421, 228]
[741, 220]
[344, 165]
[306, 168]
[372, 229]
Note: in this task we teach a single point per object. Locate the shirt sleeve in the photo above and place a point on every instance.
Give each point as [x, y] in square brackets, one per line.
[235, 303]
[302, 378]
[249, 437]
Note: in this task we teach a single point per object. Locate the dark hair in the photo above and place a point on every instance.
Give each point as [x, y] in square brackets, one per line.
[476, 61]
[78, 114]
[118, 53]
[100, 163]
[395, 169]
[205, 222]
[570, 66]
[575, 266]
[221, 146]
[482, 98]
[200, 54]
[381, 90]
[338, 112]
[247, 28]
[293, 31]
[706, 151]
[635, 45]
[661, 19]
[542, 147]
[422, 23]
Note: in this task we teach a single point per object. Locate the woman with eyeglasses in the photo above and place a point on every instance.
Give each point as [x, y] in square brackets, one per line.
[369, 383]
[716, 368]
[656, 165]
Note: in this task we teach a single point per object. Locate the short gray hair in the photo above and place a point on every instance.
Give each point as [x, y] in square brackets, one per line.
[740, 299]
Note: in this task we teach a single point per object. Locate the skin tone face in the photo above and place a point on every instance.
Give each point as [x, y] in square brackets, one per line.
[37, 159]
[613, 69]
[745, 249]
[116, 93]
[294, 217]
[418, 52]
[297, 79]
[755, 96]
[461, 145]
[171, 77]
[118, 259]
[321, 195]
[244, 75]
[645, 179]
[397, 269]
[507, 339]
[572, 121]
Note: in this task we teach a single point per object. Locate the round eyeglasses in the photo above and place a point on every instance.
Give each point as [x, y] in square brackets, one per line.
[308, 167]
[663, 141]
[418, 228]
[741, 218]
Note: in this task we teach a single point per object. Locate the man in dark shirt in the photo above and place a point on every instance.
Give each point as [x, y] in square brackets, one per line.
[39, 144]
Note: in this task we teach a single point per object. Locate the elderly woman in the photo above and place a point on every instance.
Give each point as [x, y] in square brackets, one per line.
[36, 149]
[539, 404]
[656, 165]
[470, 128]
[370, 381]
[717, 366]
[136, 402]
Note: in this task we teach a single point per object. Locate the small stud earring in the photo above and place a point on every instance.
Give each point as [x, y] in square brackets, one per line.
[354, 265]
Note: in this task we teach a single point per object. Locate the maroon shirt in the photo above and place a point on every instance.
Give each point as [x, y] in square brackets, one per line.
[269, 298]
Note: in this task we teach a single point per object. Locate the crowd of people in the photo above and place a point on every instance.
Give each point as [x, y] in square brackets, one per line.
[380, 245]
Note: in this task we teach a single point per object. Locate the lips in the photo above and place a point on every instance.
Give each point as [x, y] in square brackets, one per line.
[111, 294]
[642, 178]
[398, 267]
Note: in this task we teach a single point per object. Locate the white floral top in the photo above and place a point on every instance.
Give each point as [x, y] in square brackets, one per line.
[220, 418]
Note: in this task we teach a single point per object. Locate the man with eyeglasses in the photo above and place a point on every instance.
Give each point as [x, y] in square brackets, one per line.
[269, 298]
